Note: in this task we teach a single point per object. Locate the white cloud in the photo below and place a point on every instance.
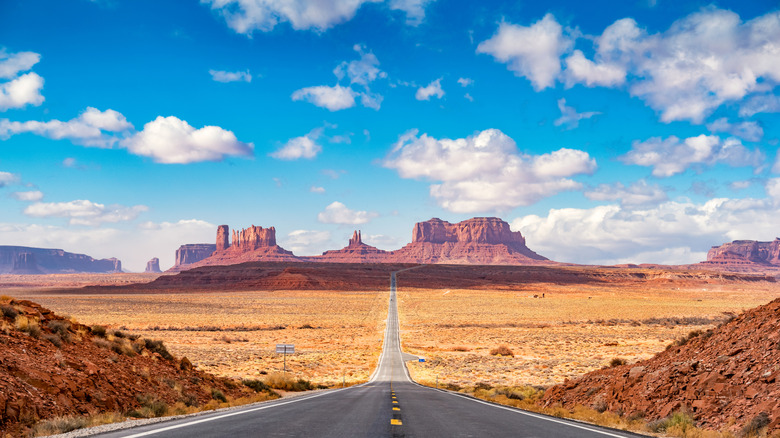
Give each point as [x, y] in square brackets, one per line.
[361, 72]
[91, 128]
[702, 61]
[15, 63]
[307, 242]
[750, 131]
[333, 98]
[673, 232]
[763, 103]
[465, 82]
[486, 172]
[247, 16]
[84, 212]
[468, 97]
[671, 156]
[382, 241]
[300, 147]
[172, 140]
[230, 76]
[133, 246]
[30, 196]
[338, 213]
[570, 118]
[317, 189]
[23, 90]
[432, 89]
[530, 51]
[639, 193]
[7, 178]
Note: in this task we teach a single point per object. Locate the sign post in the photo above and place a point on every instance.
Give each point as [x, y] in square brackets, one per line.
[285, 349]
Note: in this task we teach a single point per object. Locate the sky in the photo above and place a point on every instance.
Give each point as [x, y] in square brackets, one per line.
[641, 131]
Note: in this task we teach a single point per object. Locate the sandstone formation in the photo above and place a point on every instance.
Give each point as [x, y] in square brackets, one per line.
[61, 368]
[153, 265]
[25, 260]
[192, 253]
[481, 240]
[355, 252]
[726, 374]
[745, 252]
[477, 241]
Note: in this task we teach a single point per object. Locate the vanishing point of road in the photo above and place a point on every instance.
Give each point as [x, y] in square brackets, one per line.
[389, 405]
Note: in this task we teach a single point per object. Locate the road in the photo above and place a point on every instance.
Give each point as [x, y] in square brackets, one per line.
[389, 405]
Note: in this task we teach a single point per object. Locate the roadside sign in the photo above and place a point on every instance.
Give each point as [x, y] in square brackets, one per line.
[285, 348]
[421, 359]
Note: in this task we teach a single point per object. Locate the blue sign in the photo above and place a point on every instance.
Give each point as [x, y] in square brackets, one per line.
[421, 359]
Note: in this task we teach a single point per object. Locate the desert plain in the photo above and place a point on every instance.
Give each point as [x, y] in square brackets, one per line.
[554, 329]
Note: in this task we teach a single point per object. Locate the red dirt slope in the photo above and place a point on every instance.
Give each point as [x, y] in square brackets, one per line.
[86, 373]
[730, 372]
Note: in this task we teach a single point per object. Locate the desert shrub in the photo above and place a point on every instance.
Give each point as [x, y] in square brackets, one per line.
[60, 327]
[216, 394]
[617, 361]
[9, 311]
[756, 425]
[5, 299]
[599, 405]
[502, 350]
[189, 399]
[256, 385]
[151, 406]
[287, 383]
[118, 334]
[98, 330]
[123, 346]
[28, 325]
[102, 343]
[158, 347]
[460, 348]
[677, 423]
[307, 326]
[57, 425]
[54, 338]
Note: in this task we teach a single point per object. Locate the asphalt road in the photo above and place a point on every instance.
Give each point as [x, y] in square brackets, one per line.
[389, 405]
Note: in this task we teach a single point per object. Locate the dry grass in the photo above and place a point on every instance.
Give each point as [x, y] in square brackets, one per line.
[337, 335]
[573, 330]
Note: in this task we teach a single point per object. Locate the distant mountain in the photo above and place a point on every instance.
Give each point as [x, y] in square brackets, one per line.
[26, 260]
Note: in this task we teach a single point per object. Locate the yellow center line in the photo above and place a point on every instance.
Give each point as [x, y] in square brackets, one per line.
[395, 422]
[396, 409]
[395, 402]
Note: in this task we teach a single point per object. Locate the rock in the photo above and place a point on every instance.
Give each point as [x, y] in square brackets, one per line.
[223, 238]
[355, 252]
[253, 238]
[192, 253]
[153, 265]
[27, 260]
[741, 252]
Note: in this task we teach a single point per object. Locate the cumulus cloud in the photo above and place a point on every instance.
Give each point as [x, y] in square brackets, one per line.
[465, 82]
[750, 131]
[333, 98]
[639, 193]
[91, 128]
[307, 242]
[317, 189]
[29, 196]
[432, 89]
[134, 246]
[84, 212]
[172, 140]
[672, 155]
[338, 213]
[361, 73]
[570, 118]
[762, 103]
[673, 232]
[23, 90]
[305, 146]
[485, 171]
[686, 72]
[533, 51]
[382, 241]
[7, 178]
[230, 76]
[247, 16]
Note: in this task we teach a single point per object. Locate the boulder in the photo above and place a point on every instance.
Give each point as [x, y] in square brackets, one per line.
[153, 265]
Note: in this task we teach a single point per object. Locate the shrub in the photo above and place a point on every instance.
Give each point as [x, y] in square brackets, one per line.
[216, 394]
[677, 423]
[102, 343]
[307, 326]
[617, 361]
[54, 338]
[9, 311]
[189, 399]
[118, 334]
[460, 348]
[28, 325]
[287, 383]
[158, 347]
[98, 330]
[60, 327]
[502, 350]
[151, 406]
[256, 385]
[57, 425]
[756, 425]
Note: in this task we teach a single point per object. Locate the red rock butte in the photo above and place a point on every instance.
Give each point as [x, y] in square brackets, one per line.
[744, 255]
[477, 241]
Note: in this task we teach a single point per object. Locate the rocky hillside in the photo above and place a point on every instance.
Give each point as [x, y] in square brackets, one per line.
[51, 366]
[730, 373]
[745, 256]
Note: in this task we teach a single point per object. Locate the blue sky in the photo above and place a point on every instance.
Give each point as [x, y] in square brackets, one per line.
[606, 132]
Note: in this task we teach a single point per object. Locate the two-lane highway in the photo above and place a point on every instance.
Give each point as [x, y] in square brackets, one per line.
[390, 404]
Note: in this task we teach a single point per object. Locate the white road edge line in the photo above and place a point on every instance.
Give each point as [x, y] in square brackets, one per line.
[241, 412]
